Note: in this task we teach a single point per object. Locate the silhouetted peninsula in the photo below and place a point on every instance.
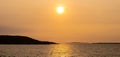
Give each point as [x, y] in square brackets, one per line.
[8, 39]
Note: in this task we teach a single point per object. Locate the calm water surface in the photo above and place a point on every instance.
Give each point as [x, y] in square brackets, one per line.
[61, 50]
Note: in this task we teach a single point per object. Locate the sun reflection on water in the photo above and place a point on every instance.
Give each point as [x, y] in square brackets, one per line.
[61, 50]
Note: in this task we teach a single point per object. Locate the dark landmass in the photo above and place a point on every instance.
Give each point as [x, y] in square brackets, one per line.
[8, 39]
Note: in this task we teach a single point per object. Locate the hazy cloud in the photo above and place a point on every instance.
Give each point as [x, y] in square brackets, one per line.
[11, 30]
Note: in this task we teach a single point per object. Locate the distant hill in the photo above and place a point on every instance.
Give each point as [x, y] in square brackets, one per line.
[106, 43]
[93, 43]
[8, 39]
[78, 43]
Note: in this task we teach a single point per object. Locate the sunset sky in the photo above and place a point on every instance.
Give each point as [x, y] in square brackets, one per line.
[81, 21]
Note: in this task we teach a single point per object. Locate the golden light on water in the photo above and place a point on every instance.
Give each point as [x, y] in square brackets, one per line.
[61, 50]
[60, 9]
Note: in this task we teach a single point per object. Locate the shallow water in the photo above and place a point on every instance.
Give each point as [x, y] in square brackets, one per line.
[61, 50]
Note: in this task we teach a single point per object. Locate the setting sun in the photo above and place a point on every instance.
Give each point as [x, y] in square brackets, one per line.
[60, 9]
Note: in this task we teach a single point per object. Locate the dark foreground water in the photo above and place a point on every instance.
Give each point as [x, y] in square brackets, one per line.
[61, 50]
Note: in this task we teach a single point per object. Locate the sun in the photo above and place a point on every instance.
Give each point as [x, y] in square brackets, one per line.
[60, 9]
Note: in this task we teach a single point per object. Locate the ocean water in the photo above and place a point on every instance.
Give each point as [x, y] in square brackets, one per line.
[61, 50]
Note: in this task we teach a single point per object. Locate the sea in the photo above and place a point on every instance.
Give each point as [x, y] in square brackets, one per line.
[61, 50]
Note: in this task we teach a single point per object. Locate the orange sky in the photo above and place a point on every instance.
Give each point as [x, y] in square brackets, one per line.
[82, 20]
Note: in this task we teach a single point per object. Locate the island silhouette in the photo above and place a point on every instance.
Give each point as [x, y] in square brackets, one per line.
[10, 39]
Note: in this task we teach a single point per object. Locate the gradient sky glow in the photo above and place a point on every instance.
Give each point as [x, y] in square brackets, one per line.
[82, 20]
